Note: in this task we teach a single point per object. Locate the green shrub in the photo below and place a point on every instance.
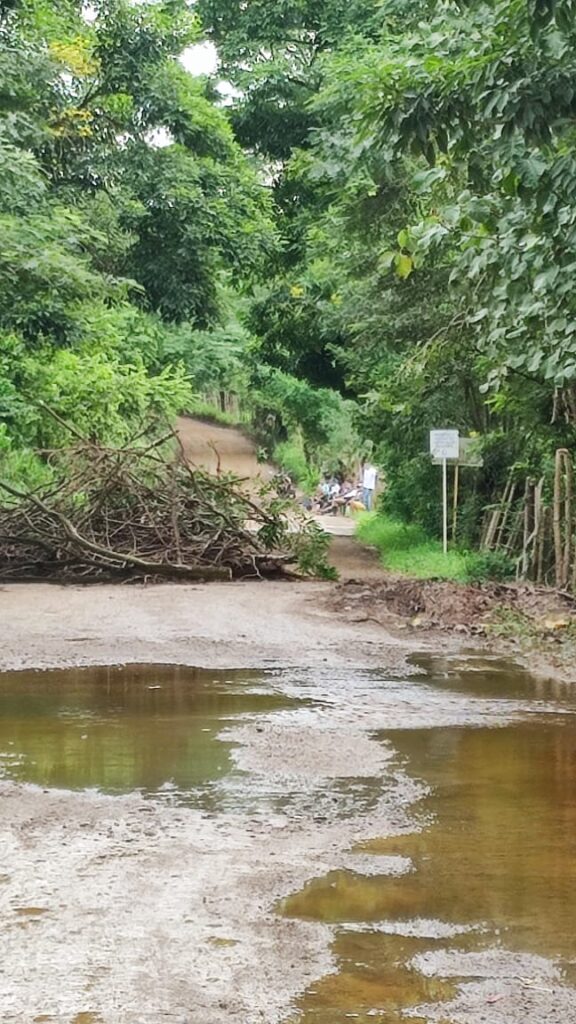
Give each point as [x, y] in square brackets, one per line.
[480, 566]
[413, 491]
[290, 456]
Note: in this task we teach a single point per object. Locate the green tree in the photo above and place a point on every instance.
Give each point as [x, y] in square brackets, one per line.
[123, 199]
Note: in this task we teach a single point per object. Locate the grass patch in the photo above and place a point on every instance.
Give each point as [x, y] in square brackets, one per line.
[407, 549]
[203, 410]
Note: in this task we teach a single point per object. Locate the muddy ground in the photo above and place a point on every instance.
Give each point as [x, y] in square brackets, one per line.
[121, 910]
[116, 906]
[534, 625]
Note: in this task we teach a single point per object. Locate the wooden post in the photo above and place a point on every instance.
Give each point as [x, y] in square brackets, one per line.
[445, 506]
[506, 506]
[492, 537]
[567, 556]
[455, 503]
[562, 519]
[541, 545]
[528, 527]
[557, 524]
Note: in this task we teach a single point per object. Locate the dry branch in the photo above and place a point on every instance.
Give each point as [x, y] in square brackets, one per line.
[137, 513]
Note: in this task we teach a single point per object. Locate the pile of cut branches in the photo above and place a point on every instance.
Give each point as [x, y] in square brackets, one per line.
[140, 513]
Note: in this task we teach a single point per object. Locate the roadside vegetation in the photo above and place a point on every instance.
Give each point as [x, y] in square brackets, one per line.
[372, 235]
[407, 549]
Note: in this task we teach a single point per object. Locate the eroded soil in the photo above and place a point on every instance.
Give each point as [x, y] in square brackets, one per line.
[537, 625]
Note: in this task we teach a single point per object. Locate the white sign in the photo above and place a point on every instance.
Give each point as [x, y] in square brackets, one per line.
[468, 455]
[444, 444]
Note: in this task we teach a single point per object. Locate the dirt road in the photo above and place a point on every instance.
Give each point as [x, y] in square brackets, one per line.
[219, 448]
[123, 910]
[221, 625]
[127, 909]
[227, 450]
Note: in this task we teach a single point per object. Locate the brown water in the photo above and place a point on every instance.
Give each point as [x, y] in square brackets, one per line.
[493, 857]
[147, 728]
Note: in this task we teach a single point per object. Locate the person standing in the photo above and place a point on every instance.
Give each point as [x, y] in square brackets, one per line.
[369, 477]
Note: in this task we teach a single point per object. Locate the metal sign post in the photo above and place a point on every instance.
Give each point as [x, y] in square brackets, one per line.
[444, 445]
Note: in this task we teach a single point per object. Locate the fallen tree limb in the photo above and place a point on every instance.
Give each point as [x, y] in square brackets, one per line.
[136, 513]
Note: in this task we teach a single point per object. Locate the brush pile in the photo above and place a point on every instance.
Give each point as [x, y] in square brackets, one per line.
[141, 513]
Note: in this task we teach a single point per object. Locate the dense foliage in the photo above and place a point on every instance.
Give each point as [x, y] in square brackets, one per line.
[124, 198]
[374, 234]
[422, 160]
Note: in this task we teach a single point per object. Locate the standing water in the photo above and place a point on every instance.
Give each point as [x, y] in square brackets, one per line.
[492, 863]
[147, 728]
[485, 878]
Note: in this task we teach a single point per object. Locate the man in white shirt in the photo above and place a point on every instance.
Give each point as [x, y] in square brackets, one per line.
[369, 477]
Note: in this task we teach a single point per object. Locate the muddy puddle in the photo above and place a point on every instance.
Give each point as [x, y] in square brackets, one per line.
[436, 812]
[492, 863]
[118, 730]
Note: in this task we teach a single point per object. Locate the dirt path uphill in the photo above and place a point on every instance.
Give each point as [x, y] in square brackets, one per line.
[353, 561]
[229, 450]
[221, 449]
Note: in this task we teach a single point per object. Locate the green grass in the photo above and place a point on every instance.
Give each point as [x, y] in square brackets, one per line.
[206, 411]
[407, 549]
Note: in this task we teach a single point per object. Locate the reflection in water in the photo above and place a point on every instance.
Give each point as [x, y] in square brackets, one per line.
[373, 985]
[494, 844]
[120, 729]
[493, 677]
[494, 861]
[503, 846]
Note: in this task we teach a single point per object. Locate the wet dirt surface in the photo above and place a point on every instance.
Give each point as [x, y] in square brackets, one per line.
[221, 449]
[126, 729]
[416, 831]
[223, 625]
[326, 835]
[493, 880]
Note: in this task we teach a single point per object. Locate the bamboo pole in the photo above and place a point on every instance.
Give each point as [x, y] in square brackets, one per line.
[567, 556]
[541, 544]
[528, 527]
[562, 521]
[455, 502]
[556, 524]
[496, 515]
[515, 531]
[506, 506]
[538, 491]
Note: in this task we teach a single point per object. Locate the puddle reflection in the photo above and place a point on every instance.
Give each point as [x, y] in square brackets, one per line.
[494, 862]
[123, 729]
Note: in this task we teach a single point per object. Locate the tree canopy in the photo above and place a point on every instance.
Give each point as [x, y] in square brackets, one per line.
[423, 187]
[124, 199]
[381, 208]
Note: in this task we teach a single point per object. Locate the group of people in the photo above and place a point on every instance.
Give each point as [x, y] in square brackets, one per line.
[340, 495]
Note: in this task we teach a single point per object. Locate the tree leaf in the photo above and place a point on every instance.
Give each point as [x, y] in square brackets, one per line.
[403, 264]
